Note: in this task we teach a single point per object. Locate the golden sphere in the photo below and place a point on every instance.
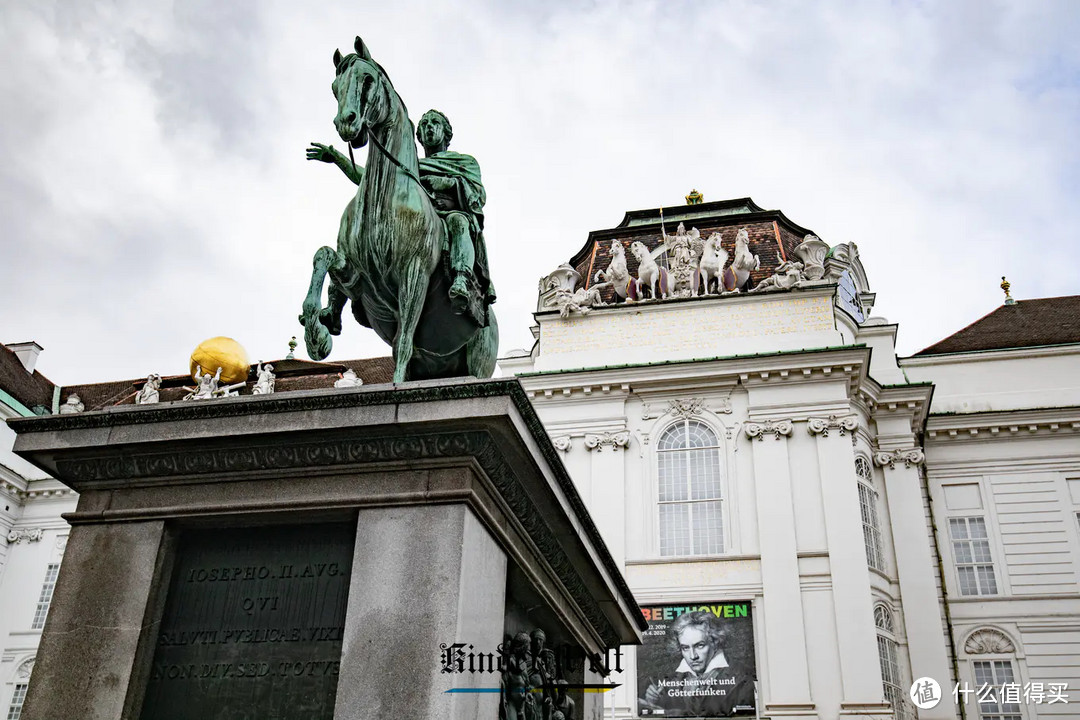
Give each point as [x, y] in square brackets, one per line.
[224, 353]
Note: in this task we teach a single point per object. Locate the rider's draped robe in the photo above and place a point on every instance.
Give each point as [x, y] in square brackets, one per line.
[469, 196]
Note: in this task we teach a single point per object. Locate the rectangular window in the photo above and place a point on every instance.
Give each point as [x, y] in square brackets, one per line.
[995, 673]
[971, 551]
[46, 596]
[15, 709]
[870, 527]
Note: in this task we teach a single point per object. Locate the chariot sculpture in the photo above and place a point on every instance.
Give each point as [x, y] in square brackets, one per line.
[410, 256]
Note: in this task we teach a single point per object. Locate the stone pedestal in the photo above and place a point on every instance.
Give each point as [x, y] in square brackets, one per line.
[227, 551]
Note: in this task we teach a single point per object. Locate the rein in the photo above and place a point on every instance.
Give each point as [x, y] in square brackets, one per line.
[395, 161]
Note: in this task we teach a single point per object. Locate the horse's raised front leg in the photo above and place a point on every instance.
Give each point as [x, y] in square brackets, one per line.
[316, 336]
[412, 293]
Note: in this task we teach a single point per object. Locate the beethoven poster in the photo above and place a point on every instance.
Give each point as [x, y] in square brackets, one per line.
[697, 660]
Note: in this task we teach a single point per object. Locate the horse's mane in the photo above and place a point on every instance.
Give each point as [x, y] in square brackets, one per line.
[348, 60]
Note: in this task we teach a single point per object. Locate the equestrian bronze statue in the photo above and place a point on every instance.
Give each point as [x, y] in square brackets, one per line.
[410, 251]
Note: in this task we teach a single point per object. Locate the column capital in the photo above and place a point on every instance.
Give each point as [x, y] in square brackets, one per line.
[842, 423]
[562, 442]
[614, 440]
[776, 428]
[910, 456]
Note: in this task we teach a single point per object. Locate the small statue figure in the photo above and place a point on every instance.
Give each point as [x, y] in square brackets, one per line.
[616, 276]
[685, 248]
[542, 672]
[150, 392]
[209, 386]
[786, 276]
[72, 405]
[518, 702]
[564, 704]
[711, 265]
[744, 262]
[581, 300]
[348, 379]
[650, 275]
[264, 385]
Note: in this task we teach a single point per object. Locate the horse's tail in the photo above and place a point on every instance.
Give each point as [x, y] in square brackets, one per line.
[483, 349]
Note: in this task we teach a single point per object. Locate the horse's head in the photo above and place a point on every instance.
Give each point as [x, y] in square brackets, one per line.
[617, 249]
[363, 94]
[639, 251]
[742, 238]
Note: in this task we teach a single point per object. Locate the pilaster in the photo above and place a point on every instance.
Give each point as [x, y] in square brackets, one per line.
[787, 690]
[916, 571]
[856, 637]
[607, 488]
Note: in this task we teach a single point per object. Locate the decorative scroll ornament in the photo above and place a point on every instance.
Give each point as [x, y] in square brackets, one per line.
[614, 440]
[562, 442]
[988, 641]
[776, 428]
[822, 426]
[24, 670]
[911, 456]
[26, 535]
[686, 407]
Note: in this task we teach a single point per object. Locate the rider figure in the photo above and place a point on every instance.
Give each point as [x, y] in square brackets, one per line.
[458, 196]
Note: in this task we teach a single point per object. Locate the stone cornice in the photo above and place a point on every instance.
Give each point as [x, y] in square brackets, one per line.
[909, 457]
[989, 355]
[842, 424]
[776, 428]
[722, 373]
[980, 426]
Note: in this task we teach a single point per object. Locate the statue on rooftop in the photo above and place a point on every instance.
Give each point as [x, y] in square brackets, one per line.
[73, 404]
[616, 276]
[150, 392]
[410, 254]
[264, 385]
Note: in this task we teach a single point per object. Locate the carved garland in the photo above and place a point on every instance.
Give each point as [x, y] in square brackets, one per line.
[988, 641]
[776, 428]
[822, 426]
[911, 456]
[614, 440]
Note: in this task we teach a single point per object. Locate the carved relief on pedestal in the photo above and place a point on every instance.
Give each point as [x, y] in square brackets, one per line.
[911, 456]
[776, 428]
[25, 535]
[614, 440]
[822, 426]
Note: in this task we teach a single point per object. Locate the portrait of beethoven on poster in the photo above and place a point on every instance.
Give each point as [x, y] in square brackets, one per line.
[697, 661]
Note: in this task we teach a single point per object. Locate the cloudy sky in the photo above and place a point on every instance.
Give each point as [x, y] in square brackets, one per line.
[154, 191]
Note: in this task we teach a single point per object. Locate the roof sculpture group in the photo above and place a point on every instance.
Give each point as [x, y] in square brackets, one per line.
[685, 265]
[410, 250]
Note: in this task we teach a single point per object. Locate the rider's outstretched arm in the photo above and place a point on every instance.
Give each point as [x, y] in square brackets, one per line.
[329, 154]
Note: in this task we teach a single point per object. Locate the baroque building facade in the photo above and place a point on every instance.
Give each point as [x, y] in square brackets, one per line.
[747, 440]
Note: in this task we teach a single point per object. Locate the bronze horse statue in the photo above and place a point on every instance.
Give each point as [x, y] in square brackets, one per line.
[389, 257]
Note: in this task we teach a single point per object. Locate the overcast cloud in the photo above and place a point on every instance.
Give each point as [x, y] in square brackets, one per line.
[154, 191]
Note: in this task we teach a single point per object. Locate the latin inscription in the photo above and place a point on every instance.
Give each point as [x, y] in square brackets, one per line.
[253, 625]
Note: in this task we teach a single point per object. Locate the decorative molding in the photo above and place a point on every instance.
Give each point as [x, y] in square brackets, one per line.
[27, 535]
[614, 440]
[562, 442]
[24, 669]
[911, 456]
[821, 426]
[61, 543]
[988, 641]
[776, 428]
[688, 407]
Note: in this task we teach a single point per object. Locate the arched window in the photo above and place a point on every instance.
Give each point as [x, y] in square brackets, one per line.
[875, 558]
[690, 478]
[891, 681]
[992, 656]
